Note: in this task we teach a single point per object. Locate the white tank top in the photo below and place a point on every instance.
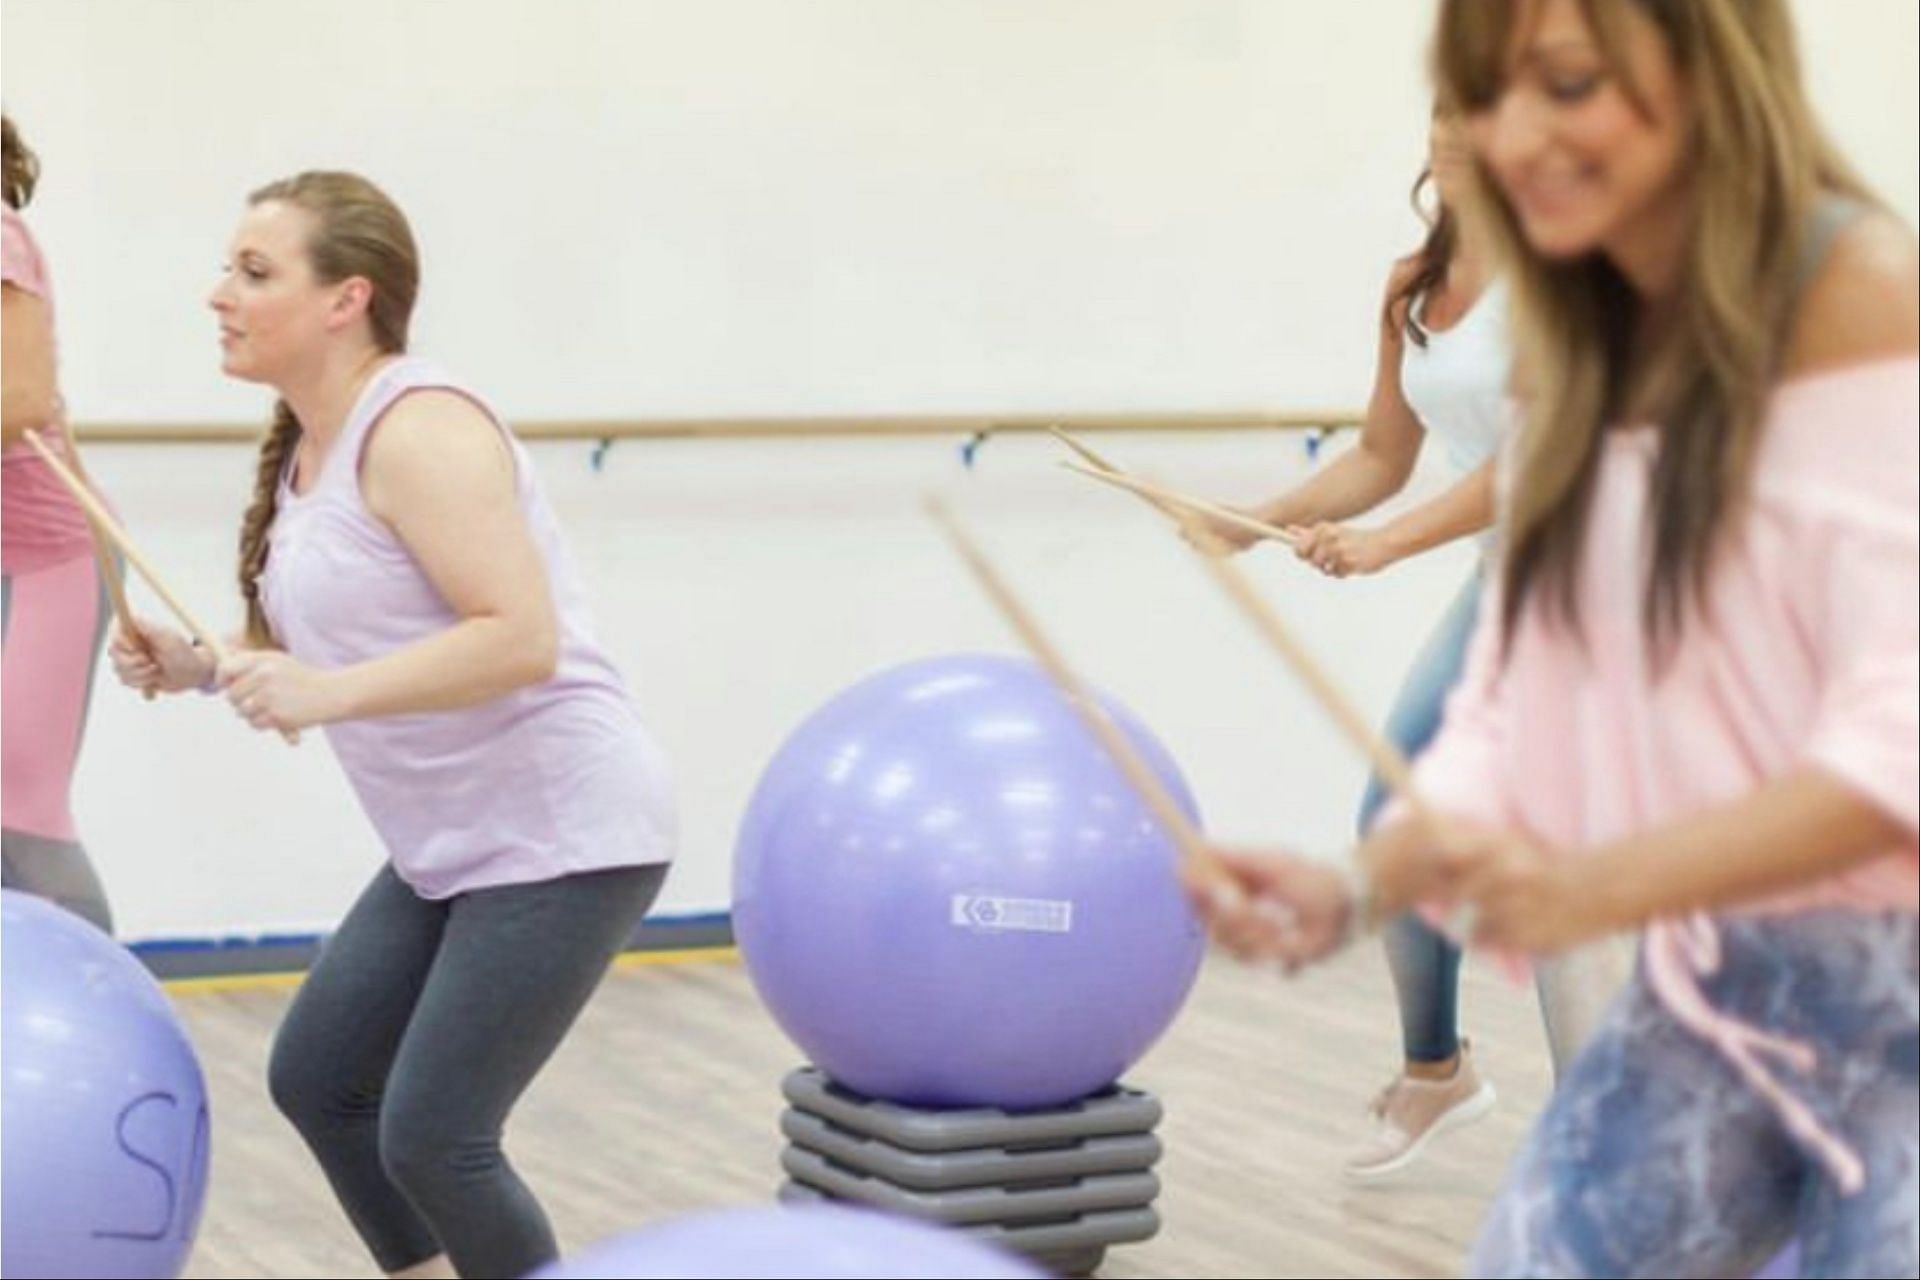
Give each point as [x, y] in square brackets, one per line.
[1457, 384]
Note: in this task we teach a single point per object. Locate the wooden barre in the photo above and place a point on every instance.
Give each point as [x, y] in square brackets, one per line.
[793, 428]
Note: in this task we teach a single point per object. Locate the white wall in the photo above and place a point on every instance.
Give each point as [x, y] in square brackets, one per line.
[739, 586]
[753, 205]
[642, 207]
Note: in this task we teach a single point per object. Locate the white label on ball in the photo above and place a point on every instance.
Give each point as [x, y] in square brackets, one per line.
[1028, 915]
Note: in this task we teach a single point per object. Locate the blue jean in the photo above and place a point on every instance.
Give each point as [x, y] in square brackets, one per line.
[1425, 966]
[1654, 1158]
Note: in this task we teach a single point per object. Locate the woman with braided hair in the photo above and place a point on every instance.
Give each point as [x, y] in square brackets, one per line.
[407, 589]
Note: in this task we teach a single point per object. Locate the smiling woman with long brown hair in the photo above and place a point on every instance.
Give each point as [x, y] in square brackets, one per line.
[1694, 696]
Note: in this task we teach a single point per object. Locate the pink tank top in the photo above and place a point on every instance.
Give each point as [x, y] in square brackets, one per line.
[40, 523]
[549, 780]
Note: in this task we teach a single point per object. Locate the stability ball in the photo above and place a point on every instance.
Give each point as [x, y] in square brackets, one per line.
[811, 1243]
[1784, 1265]
[948, 895]
[103, 1111]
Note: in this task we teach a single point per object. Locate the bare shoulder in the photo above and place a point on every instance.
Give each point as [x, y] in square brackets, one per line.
[434, 423]
[1393, 313]
[435, 413]
[1864, 304]
[22, 301]
[434, 441]
[1404, 270]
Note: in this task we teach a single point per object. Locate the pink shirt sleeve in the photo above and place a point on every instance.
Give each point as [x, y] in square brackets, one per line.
[1858, 493]
[19, 257]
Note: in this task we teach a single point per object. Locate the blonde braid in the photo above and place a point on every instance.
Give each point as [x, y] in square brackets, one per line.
[258, 522]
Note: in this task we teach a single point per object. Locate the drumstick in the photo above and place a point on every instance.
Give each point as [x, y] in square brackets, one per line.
[1165, 498]
[110, 571]
[1384, 756]
[1152, 792]
[1111, 468]
[117, 593]
[1381, 753]
[1085, 451]
[116, 586]
[104, 523]
[1387, 759]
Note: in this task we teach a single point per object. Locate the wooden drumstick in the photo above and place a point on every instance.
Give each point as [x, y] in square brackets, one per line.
[1171, 502]
[110, 572]
[1086, 452]
[104, 524]
[1193, 850]
[1388, 760]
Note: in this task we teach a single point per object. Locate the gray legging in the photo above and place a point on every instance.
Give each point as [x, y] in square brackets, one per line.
[418, 1028]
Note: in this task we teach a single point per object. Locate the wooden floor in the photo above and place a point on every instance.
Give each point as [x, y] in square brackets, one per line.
[665, 1098]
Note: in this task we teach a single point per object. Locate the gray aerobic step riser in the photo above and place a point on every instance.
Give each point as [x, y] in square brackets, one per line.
[1072, 1262]
[1092, 1230]
[1118, 1110]
[972, 1166]
[969, 1205]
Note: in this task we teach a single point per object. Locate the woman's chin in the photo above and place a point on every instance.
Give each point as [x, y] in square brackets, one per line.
[237, 368]
[1560, 240]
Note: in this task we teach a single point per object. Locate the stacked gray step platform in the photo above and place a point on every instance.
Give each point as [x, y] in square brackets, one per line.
[1059, 1185]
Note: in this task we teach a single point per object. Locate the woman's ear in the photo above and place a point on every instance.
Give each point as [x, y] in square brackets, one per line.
[351, 302]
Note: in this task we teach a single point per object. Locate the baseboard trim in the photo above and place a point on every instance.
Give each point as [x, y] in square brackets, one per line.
[170, 959]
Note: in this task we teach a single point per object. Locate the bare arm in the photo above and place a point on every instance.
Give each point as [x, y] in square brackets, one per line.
[439, 472]
[1378, 465]
[1801, 828]
[1804, 827]
[1464, 509]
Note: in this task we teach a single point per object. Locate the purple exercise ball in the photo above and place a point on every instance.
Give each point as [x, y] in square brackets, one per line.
[818, 1242]
[1784, 1265]
[948, 895]
[103, 1110]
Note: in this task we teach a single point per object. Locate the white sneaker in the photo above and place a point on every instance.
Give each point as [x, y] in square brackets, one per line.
[1410, 1113]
